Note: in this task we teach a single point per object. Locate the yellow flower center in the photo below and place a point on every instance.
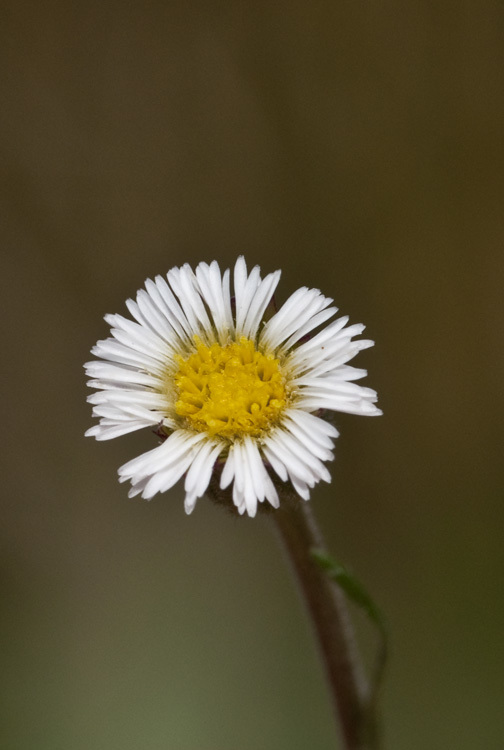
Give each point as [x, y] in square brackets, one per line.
[230, 390]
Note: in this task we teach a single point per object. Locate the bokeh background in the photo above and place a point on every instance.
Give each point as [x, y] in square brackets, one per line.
[359, 147]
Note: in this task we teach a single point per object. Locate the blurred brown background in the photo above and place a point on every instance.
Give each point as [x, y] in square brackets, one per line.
[358, 145]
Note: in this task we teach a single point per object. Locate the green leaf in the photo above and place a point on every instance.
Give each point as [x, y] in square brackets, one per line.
[356, 592]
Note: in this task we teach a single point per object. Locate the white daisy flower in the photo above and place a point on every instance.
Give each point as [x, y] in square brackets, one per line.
[234, 396]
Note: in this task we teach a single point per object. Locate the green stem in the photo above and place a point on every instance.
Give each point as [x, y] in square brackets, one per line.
[327, 608]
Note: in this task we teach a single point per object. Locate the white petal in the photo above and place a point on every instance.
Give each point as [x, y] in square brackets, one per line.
[175, 446]
[127, 413]
[155, 319]
[191, 293]
[138, 487]
[297, 311]
[114, 351]
[190, 503]
[239, 499]
[303, 453]
[211, 285]
[255, 466]
[312, 323]
[327, 334]
[311, 403]
[259, 304]
[239, 479]
[108, 432]
[307, 439]
[227, 300]
[107, 385]
[184, 284]
[136, 313]
[304, 319]
[240, 279]
[244, 299]
[114, 373]
[199, 474]
[296, 458]
[243, 492]
[270, 489]
[173, 311]
[276, 464]
[139, 336]
[341, 352]
[228, 471]
[263, 485]
[165, 479]
[149, 399]
[281, 456]
[177, 324]
[317, 345]
[283, 316]
[301, 487]
[320, 430]
[249, 489]
[338, 388]
[159, 351]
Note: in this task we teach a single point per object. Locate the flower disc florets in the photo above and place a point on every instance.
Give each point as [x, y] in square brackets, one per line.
[230, 391]
[228, 384]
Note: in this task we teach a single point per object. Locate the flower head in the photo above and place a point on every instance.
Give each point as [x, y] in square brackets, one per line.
[228, 391]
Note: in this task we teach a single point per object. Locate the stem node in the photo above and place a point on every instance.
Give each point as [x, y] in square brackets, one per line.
[329, 614]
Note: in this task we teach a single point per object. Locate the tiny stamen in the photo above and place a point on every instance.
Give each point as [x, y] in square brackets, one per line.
[230, 390]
